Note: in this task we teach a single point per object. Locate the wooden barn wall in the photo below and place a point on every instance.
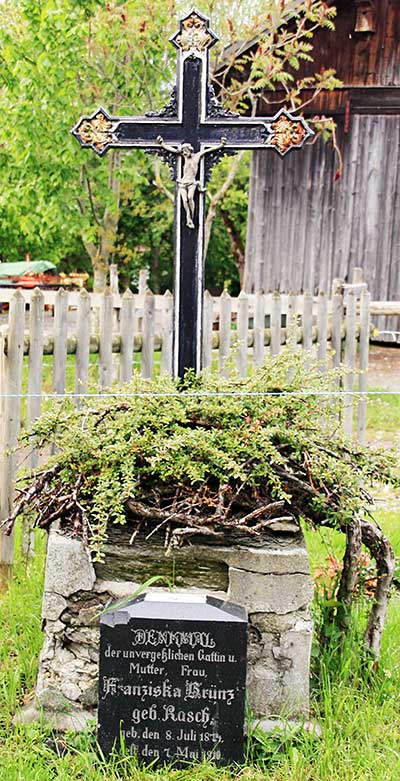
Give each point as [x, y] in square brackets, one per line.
[304, 229]
[362, 61]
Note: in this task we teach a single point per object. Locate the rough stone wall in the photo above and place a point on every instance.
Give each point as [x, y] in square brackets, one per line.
[276, 588]
[274, 584]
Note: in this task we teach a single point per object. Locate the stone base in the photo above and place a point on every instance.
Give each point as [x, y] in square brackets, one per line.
[75, 720]
[273, 583]
[286, 728]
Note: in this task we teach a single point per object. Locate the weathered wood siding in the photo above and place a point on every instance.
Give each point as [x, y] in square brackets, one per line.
[305, 229]
[368, 64]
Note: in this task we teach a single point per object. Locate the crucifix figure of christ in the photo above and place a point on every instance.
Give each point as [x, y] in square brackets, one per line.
[189, 183]
[191, 133]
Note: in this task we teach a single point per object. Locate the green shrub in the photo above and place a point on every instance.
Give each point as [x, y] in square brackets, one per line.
[213, 457]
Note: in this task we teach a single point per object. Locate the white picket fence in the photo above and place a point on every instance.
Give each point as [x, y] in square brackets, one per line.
[136, 330]
[128, 330]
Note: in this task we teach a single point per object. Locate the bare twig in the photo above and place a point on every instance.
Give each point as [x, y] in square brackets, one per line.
[29, 495]
[348, 580]
[158, 182]
[382, 551]
[265, 509]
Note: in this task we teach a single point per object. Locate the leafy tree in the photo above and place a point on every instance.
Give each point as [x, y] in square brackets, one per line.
[61, 58]
[146, 241]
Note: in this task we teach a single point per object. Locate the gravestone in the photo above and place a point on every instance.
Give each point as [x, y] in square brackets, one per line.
[272, 581]
[172, 678]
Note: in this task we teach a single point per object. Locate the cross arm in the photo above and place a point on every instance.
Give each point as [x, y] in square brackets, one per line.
[100, 131]
[281, 132]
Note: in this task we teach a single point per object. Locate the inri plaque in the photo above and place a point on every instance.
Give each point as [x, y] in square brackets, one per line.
[172, 679]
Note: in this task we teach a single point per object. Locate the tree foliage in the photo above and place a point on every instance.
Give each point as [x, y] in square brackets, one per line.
[60, 59]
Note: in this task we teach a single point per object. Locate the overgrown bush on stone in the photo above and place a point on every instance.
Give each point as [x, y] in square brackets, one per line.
[217, 457]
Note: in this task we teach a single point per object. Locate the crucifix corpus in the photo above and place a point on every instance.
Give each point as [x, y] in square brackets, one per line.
[191, 134]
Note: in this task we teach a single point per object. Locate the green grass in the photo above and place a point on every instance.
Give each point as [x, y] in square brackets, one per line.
[20, 635]
[383, 416]
[360, 719]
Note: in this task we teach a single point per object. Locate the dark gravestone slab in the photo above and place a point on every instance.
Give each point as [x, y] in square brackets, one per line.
[172, 679]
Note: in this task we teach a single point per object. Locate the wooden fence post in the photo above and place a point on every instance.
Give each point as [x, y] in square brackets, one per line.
[106, 335]
[349, 362]
[60, 341]
[5, 571]
[225, 332]
[82, 346]
[259, 329]
[292, 330]
[12, 388]
[114, 289]
[36, 338]
[208, 321]
[167, 333]
[337, 323]
[292, 327]
[276, 324]
[307, 320]
[358, 275]
[143, 281]
[242, 333]
[322, 330]
[127, 335]
[363, 365]
[148, 336]
[35, 371]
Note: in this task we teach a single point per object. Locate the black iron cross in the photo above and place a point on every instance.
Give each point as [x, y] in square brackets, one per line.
[191, 133]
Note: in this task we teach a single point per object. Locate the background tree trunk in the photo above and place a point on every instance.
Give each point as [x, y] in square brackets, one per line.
[100, 252]
[100, 274]
[237, 244]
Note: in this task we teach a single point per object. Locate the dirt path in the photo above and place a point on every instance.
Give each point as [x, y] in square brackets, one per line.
[384, 368]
